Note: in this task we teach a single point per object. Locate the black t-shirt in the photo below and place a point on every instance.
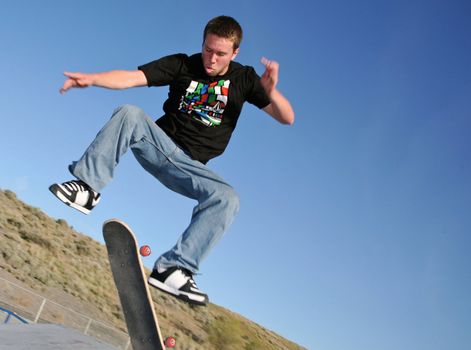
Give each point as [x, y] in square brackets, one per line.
[201, 112]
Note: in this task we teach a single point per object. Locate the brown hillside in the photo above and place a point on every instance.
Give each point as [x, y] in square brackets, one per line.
[70, 268]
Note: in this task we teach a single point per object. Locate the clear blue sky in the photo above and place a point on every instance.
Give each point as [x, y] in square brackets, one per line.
[355, 225]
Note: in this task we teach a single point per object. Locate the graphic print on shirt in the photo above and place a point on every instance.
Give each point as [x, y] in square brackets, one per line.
[206, 102]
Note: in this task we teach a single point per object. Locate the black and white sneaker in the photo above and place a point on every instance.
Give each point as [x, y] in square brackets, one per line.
[179, 282]
[76, 194]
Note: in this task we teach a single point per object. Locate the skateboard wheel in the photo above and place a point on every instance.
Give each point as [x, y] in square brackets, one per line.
[170, 342]
[145, 250]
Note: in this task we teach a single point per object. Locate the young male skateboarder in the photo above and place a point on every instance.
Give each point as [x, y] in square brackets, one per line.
[206, 94]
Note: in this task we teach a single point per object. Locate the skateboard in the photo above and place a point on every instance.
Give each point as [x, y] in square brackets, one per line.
[133, 291]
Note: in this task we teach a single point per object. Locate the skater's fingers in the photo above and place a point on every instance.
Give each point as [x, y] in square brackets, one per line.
[67, 85]
[73, 75]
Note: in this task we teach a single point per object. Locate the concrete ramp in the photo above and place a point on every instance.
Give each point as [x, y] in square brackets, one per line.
[46, 337]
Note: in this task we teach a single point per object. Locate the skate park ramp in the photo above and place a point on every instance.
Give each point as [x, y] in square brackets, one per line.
[46, 337]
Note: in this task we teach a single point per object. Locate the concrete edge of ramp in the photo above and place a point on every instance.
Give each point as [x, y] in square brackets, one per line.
[46, 337]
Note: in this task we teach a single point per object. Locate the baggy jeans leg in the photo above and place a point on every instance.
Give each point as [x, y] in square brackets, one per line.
[217, 206]
[128, 126]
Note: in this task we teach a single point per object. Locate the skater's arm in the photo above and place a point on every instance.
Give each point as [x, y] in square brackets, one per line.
[279, 107]
[116, 79]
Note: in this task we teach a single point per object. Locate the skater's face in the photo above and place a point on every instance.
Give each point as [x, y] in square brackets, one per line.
[217, 54]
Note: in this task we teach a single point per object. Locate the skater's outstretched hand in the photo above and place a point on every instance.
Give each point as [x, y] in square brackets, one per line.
[269, 78]
[76, 80]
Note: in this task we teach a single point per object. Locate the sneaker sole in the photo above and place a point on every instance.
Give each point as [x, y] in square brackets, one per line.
[56, 191]
[188, 297]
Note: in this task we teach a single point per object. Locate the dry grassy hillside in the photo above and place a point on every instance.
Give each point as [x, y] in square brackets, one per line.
[72, 269]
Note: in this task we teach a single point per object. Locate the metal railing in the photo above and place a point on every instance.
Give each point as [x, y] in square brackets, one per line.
[35, 308]
[11, 317]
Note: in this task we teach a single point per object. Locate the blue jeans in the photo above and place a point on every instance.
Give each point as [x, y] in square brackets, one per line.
[217, 205]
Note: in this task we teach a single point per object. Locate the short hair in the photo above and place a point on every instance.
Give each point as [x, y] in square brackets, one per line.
[225, 27]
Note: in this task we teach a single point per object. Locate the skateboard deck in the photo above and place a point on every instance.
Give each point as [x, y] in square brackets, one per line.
[133, 291]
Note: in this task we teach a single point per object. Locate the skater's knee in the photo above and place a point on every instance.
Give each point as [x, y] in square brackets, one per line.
[231, 199]
[128, 109]
[129, 113]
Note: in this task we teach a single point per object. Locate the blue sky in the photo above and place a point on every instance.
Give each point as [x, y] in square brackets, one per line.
[354, 231]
